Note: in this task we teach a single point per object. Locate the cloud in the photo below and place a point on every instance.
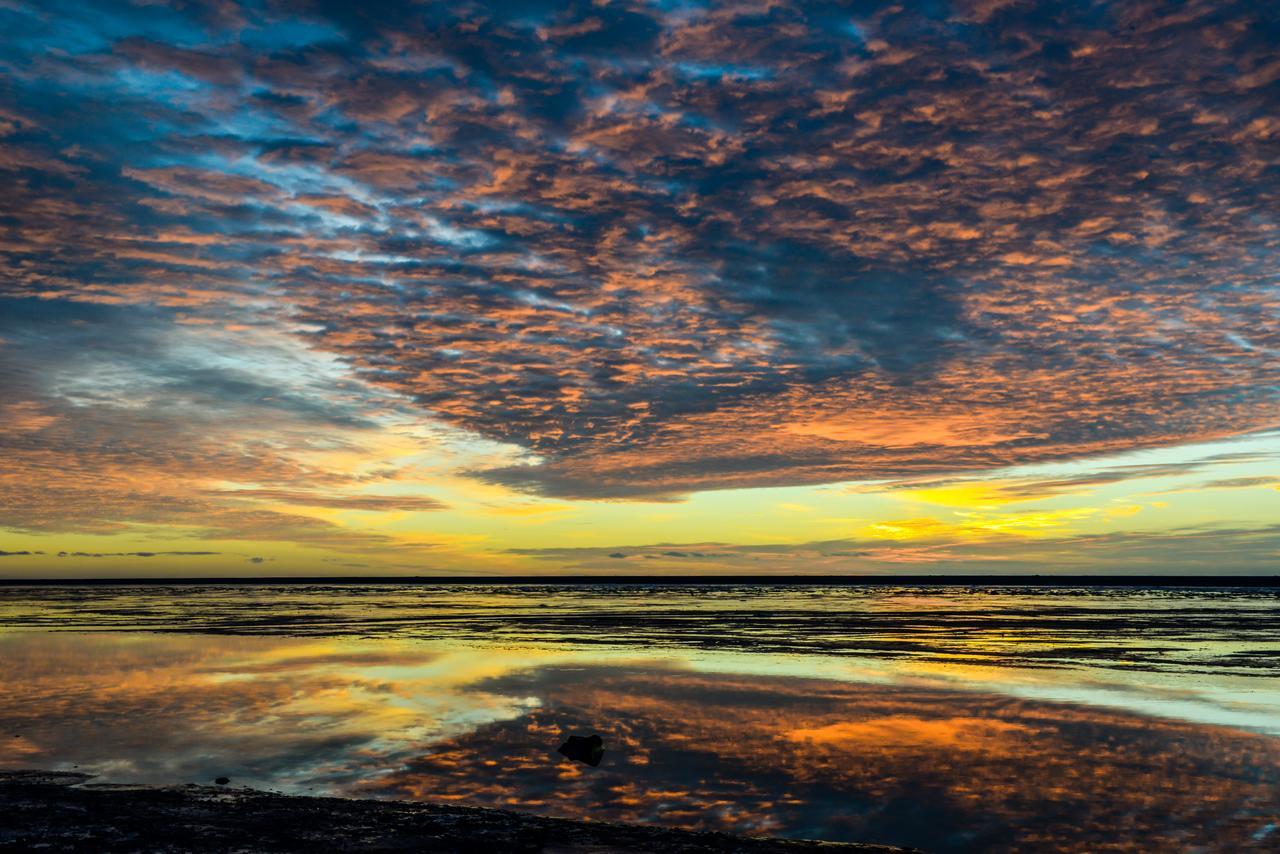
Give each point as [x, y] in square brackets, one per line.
[376, 503]
[1240, 482]
[121, 415]
[136, 554]
[668, 251]
[1026, 542]
[1006, 488]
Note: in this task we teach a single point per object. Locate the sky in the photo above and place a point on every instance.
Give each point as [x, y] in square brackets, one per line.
[314, 287]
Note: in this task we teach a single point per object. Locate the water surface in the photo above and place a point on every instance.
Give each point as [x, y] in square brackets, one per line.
[955, 719]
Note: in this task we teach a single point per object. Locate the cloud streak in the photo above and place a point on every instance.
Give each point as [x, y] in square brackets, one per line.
[949, 547]
[137, 554]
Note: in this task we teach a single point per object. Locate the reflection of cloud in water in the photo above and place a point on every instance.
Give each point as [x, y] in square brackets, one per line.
[1151, 630]
[907, 733]
[1198, 654]
[941, 769]
[285, 714]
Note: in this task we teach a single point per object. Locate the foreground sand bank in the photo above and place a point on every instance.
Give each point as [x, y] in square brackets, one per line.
[63, 811]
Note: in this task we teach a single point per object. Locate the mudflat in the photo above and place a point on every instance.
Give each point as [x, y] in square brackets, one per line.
[64, 811]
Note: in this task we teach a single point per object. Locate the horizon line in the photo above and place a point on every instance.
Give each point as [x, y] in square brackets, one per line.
[1092, 580]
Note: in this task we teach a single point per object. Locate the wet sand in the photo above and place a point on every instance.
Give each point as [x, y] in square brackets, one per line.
[949, 719]
[62, 811]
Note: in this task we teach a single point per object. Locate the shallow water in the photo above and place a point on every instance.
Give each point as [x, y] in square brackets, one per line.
[955, 719]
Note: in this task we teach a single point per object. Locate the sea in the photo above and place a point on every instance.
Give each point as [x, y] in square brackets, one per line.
[949, 717]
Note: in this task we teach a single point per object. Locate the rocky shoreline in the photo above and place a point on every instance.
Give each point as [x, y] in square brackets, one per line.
[63, 811]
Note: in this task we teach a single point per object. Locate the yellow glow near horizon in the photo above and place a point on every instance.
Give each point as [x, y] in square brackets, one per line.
[487, 529]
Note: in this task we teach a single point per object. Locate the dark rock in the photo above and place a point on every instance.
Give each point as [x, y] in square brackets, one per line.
[43, 778]
[588, 749]
[222, 781]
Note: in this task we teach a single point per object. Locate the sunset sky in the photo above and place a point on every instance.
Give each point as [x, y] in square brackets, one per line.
[386, 288]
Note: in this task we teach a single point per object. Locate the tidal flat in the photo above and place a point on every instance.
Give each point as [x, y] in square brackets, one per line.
[945, 718]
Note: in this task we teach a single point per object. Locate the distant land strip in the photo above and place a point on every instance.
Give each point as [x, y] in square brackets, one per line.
[1256, 581]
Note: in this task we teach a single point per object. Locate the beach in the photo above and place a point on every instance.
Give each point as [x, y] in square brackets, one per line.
[53, 811]
[947, 718]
